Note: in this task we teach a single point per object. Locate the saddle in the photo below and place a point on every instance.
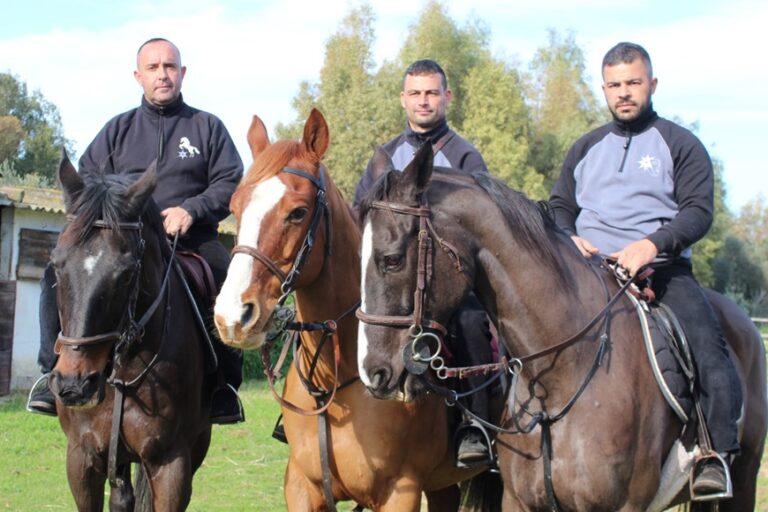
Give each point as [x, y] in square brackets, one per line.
[672, 364]
[199, 276]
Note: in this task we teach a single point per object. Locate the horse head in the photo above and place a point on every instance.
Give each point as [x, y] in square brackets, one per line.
[412, 280]
[97, 261]
[281, 212]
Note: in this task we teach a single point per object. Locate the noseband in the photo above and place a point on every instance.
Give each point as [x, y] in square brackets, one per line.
[321, 211]
[415, 322]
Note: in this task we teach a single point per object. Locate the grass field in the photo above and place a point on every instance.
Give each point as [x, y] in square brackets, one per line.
[243, 470]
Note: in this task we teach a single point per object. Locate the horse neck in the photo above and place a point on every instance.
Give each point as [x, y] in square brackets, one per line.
[335, 291]
[535, 306]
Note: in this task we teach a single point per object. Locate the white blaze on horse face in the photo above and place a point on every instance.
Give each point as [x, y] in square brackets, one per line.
[229, 305]
[89, 263]
[362, 340]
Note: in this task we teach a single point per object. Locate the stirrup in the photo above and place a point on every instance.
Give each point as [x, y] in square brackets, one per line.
[467, 426]
[35, 404]
[716, 458]
[278, 432]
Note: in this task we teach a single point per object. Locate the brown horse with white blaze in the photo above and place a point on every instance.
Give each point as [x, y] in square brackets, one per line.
[381, 454]
[586, 426]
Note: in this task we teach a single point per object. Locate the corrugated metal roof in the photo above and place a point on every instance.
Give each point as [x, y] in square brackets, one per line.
[39, 199]
[51, 200]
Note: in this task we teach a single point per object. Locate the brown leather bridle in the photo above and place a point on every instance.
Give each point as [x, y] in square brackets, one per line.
[415, 322]
[321, 211]
[129, 330]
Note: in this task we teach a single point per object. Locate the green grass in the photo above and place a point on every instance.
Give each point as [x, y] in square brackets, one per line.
[243, 470]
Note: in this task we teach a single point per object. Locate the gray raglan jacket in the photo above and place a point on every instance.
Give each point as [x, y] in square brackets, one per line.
[622, 182]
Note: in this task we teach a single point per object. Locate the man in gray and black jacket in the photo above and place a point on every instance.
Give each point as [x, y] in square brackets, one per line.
[198, 169]
[640, 189]
[425, 97]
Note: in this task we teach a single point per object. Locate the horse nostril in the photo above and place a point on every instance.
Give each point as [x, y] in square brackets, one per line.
[247, 315]
[380, 379]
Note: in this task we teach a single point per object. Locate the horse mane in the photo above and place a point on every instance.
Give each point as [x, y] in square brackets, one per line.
[272, 160]
[105, 198]
[529, 222]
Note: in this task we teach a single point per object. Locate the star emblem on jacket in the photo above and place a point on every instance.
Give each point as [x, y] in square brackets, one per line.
[650, 164]
[186, 149]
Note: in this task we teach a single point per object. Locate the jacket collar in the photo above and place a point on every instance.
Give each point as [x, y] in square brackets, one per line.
[165, 110]
[417, 139]
[638, 125]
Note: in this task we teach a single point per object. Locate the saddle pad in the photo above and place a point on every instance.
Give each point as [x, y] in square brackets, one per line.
[668, 355]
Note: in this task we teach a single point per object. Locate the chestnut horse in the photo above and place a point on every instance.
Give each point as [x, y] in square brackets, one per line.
[130, 383]
[381, 454]
[586, 412]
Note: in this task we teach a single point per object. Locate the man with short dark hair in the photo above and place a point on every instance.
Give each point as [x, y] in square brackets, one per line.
[425, 97]
[198, 168]
[641, 189]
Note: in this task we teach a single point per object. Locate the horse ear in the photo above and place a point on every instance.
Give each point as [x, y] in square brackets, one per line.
[258, 140]
[141, 190]
[381, 162]
[412, 182]
[71, 182]
[316, 138]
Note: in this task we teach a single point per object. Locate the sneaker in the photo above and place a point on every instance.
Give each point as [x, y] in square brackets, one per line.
[41, 400]
[710, 480]
[473, 449]
[226, 407]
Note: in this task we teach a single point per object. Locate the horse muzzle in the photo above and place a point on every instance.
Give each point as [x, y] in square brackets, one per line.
[78, 391]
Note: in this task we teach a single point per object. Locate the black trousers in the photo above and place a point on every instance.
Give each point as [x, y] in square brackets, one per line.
[718, 384]
[469, 340]
[230, 359]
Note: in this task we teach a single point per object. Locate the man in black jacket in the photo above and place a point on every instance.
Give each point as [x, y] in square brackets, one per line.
[640, 189]
[425, 97]
[198, 169]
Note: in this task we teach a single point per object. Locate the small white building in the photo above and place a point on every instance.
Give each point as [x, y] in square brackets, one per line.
[30, 221]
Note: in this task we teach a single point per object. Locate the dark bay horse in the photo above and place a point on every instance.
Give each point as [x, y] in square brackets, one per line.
[130, 381]
[590, 409]
[381, 454]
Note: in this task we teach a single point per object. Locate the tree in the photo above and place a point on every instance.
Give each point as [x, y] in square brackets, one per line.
[32, 135]
[563, 106]
[346, 95]
[498, 122]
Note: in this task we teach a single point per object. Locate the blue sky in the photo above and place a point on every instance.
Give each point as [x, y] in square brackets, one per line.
[248, 57]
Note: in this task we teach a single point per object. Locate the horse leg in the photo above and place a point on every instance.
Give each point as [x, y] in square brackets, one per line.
[171, 482]
[85, 481]
[300, 493]
[744, 477]
[121, 495]
[446, 499]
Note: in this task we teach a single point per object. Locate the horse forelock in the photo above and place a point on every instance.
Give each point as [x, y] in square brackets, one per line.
[105, 198]
[271, 161]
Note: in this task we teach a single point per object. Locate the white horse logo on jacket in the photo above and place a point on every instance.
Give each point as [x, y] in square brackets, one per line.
[187, 149]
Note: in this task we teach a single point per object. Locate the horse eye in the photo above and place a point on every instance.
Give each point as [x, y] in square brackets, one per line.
[391, 262]
[297, 215]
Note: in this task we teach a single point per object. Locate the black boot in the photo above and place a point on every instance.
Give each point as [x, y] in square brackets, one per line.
[226, 407]
[711, 479]
[41, 400]
[473, 445]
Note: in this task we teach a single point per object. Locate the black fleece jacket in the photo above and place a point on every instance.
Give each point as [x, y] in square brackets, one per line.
[197, 162]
